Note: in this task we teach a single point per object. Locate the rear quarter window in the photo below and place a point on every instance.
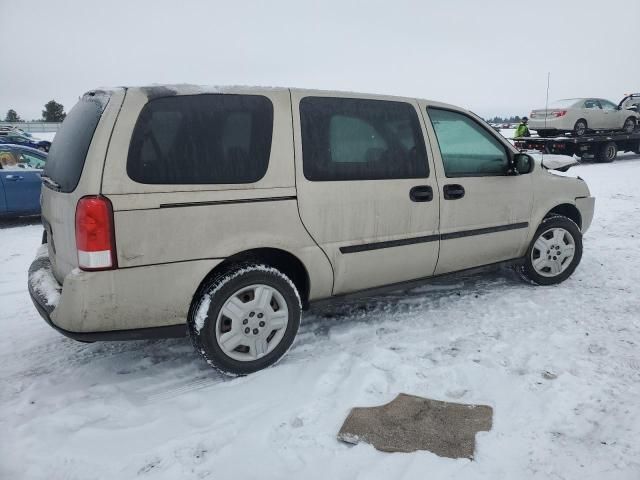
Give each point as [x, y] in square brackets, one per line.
[70, 146]
[202, 139]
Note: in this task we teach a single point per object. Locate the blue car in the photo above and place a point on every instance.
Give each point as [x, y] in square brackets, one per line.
[16, 138]
[20, 181]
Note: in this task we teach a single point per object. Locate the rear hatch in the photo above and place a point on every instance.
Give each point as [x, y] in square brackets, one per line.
[74, 170]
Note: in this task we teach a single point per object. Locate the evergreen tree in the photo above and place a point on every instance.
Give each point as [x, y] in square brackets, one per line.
[53, 112]
[12, 116]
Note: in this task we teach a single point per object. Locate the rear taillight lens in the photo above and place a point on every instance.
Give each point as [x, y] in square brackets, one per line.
[95, 237]
[559, 113]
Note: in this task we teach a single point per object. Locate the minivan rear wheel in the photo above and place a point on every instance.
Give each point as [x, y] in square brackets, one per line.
[554, 252]
[245, 319]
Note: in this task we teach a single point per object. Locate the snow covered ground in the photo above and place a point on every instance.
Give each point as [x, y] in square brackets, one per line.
[559, 365]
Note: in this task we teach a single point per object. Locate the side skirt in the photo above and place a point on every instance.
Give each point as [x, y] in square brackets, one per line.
[408, 285]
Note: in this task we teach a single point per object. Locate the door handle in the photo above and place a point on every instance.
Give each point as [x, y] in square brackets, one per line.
[421, 193]
[14, 178]
[453, 191]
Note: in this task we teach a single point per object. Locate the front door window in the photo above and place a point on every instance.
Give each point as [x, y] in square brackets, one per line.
[467, 149]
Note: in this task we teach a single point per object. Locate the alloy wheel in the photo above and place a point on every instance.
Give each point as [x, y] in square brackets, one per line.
[252, 322]
[553, 252]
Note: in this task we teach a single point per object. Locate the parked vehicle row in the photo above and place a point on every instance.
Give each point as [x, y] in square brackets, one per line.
[227, 211]
[15, 136]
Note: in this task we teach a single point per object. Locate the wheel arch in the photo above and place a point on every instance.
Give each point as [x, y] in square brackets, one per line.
[632, 118]
[567, 210]
[277, 258]
[581, 119]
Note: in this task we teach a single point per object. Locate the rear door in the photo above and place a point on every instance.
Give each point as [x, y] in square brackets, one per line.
[28, 182]
[365, 186]
[484, 213]
[22, 189]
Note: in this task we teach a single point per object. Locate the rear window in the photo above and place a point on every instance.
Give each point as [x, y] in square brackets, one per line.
[71, 143]
[202, 139]
[566, 103]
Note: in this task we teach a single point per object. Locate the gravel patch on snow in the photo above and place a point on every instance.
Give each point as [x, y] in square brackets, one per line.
[559, 366]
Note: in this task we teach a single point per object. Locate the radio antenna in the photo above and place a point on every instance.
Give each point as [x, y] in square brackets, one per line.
[546, 104]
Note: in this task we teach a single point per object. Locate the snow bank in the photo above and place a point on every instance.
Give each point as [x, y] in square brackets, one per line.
[44, 282]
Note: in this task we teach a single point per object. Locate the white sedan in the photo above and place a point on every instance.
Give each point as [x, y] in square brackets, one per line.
[579, 115]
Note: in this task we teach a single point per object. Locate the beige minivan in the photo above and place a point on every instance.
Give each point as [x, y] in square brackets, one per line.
[225, 212]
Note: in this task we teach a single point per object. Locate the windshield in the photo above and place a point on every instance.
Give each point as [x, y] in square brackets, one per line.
[71, 143]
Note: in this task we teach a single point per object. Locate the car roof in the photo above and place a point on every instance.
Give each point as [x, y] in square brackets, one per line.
[155, 91]
[583, 98]
[13, 146]
[13, 133]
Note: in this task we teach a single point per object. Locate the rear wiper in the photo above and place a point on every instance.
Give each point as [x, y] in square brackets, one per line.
[50, 182]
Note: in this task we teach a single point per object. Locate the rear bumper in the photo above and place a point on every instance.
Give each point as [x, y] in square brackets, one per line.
[46, 294]
[551, 124]
[43, 287]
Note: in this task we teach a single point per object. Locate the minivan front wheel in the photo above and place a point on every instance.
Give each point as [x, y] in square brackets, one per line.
[554, 252]
[245, 319]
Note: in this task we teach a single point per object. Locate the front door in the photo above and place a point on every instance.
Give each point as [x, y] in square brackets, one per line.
[366, 189]
[594, 115]
[613, 117]
[484, 213]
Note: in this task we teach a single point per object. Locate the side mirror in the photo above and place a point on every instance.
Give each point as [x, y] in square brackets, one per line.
[521, 164]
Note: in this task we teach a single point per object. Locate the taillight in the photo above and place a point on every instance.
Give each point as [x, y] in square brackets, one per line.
[559, 113]
[95, 236]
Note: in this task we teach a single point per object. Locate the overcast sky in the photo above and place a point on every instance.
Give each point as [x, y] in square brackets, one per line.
[489, 56]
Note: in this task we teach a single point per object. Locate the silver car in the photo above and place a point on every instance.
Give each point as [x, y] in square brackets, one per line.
[579, 115]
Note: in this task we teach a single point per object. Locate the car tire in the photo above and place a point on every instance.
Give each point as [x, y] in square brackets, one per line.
[580, 127]
[607, 153]
[556, 234]
[245, 319]
[629, 125]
